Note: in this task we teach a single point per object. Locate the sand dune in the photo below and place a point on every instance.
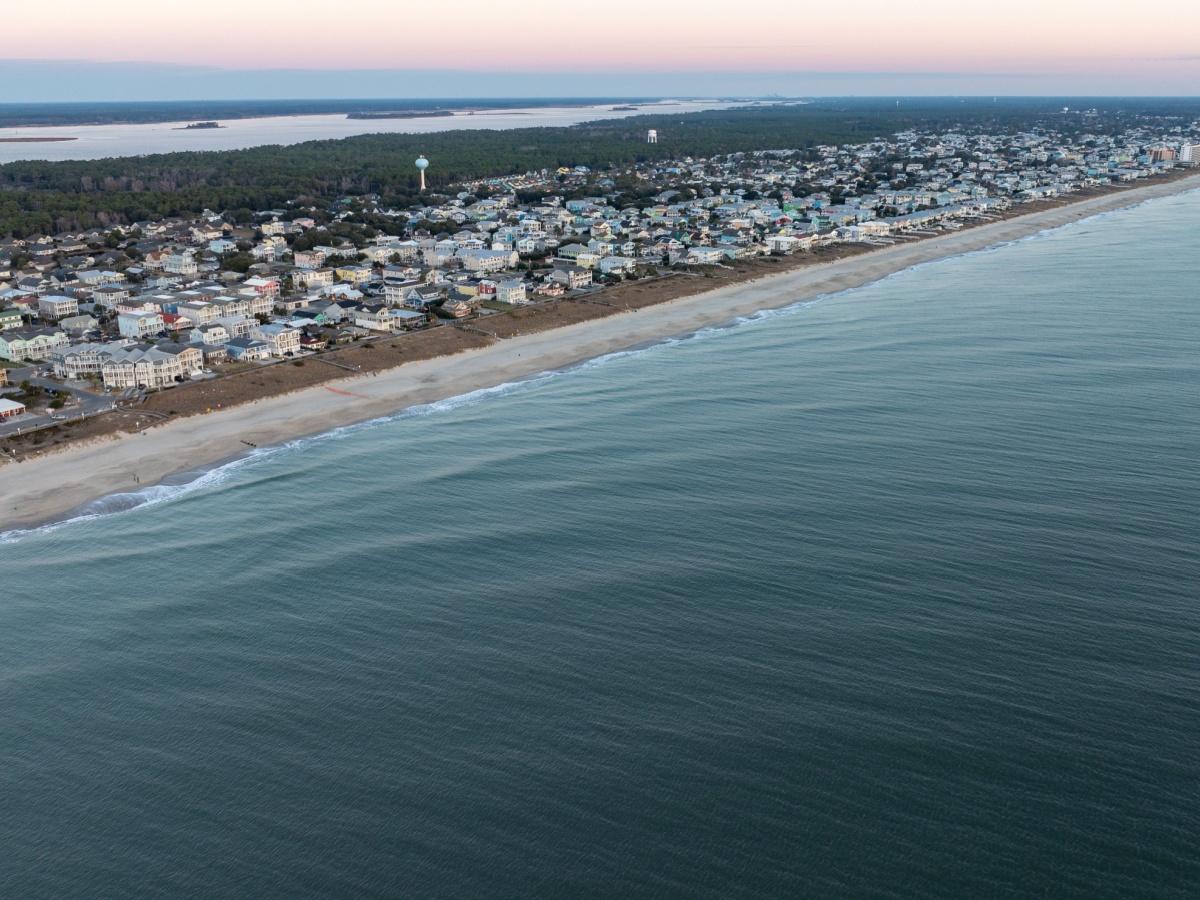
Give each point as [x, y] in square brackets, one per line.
[48, 487]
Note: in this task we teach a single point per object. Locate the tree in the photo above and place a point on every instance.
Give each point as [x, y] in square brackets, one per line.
[237, 262]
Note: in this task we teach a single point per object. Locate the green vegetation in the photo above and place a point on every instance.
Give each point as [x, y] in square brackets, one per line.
[51, 197]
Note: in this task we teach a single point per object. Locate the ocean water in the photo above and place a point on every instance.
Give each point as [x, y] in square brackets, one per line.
[894, 594]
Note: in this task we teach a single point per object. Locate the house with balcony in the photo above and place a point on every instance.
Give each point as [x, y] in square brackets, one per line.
[53, 308]
[571, 277]
[180, 264]
[11, 318]
[281, 339]
[308, 259]
[215, 334]
[487, 260]
[81, 360]
[263, 287]
[245, 349]
[31, 344]
[140, 325]
[110, 295]
[387, 318]
[511, 292]
[141, 366]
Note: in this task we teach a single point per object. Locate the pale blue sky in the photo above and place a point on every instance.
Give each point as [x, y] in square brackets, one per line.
[28, 81]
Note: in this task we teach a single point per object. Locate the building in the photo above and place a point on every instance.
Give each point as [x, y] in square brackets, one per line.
[245, 349]
[77, 325]
[704, 256]
[141, 366]
[81, 360]
[487, 260]
[511, 292]
[264, 287]
[571, 277]
[354, 274]
[215, 334]
[180, 264]
[282, 340]
[386, 318]
[33, 344]
[140, 325]
[52, 308]
[110, 295]
[199, 311]
[309, 259]
[10, 408]
[10, 318]
[619, 264]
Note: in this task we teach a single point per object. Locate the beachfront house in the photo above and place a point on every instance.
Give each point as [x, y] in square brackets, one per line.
[282, 340]
[511, 292]
[10, 408]
[703, 256]
[571, 277]
[140, 366]
[244, 349]
[386, 318]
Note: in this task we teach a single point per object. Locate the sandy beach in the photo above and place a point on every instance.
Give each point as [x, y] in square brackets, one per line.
[42, 489]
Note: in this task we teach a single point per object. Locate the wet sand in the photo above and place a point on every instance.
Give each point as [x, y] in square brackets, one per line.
[47, 487]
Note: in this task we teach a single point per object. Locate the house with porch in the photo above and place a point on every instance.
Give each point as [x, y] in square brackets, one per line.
[33, 344]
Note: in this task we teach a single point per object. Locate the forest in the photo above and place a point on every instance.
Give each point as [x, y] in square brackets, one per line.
[55, 197]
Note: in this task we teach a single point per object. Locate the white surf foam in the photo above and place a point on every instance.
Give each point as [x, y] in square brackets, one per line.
[203, 479]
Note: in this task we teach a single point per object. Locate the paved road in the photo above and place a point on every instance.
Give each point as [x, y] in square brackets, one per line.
[80, 403]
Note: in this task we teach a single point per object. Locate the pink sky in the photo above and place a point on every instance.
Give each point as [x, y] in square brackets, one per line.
[1160, 39]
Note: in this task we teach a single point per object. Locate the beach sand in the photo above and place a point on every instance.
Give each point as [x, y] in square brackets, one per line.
[45, 488]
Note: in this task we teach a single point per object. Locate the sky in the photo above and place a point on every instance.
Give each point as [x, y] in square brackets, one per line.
[232, 49]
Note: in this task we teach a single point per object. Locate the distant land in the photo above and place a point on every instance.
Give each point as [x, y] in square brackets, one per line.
[20, 115]
[402, 114]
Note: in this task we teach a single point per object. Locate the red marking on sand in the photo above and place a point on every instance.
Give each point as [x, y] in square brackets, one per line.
[348, 393]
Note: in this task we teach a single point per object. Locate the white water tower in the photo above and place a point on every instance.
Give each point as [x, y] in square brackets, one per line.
[422, 164]
[652, 136]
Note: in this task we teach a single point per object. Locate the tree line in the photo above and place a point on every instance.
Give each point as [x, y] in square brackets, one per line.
[74, 195]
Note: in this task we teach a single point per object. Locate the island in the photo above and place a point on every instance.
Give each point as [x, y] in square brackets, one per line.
[402, 114]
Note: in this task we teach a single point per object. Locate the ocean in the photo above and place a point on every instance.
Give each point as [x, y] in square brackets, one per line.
[891, 594]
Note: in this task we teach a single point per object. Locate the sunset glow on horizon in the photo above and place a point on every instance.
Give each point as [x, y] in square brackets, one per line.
[925, 36]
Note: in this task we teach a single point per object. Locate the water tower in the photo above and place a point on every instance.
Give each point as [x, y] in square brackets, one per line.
[422, 164]
[652, 136]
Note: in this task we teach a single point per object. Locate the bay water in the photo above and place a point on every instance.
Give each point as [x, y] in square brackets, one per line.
[893, 594]
[60, 142]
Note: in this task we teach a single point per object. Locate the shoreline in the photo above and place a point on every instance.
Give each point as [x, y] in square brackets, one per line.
[53, 487]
